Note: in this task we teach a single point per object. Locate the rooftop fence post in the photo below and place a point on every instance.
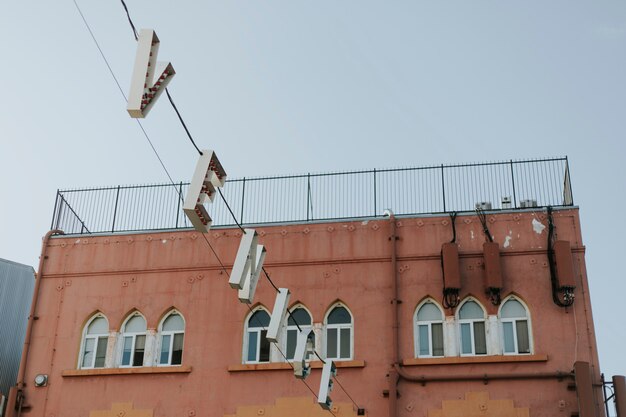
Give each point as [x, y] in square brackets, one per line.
[308, 195]
[243, 199]
[513, 183]
[117, 196]
[375, 208]
[443, 188]
[180, 197]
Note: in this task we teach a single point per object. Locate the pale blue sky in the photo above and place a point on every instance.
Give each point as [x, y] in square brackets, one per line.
[280, 87]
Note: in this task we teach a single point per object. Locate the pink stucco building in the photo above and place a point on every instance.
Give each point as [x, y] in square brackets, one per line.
[478, 314]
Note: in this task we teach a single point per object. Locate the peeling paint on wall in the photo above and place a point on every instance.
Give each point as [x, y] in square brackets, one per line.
[538, 226]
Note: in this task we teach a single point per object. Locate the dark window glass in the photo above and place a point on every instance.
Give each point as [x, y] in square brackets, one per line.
[331, 343]
[339, 315]
[264, 355]
[300, 316]
[140, 343]
[252, 345]
[177, 349]
[292, 340]
[437, 330]
[480, 342]
[128, 344]
[345, 343]
[260, 318]
[523, 342]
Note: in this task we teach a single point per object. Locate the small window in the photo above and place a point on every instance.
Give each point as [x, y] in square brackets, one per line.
[133, 341]
[514, 319]
[472, 325]
[298, 317]
[257, 345]
[172, 337]
[339, 334]
[429, 330]
[95, 340]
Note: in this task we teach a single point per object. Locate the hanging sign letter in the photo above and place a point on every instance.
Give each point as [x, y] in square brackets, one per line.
[326, 385]
[248, 266]
[208, 175]
[278, 314]
[145, 88]
[304, 347]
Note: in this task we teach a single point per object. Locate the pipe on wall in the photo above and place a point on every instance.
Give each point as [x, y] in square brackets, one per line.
[619, 387]
[14, 394]
[423, 379]
[395, 354]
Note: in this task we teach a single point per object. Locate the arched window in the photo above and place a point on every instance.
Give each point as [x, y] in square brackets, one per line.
[472, 324]
[339, 333]
[133, 340]
[257, 347]
[172, 331]
[429, 330]
[298, 317]
[514, 319]
[95, 339]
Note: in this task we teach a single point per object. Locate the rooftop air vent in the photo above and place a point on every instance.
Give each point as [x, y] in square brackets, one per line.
[528, 203]
[506, 202]
[483, 205]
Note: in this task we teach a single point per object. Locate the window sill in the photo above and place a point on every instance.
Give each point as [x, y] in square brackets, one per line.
[278, 366]
[127, 371]
[463, 360]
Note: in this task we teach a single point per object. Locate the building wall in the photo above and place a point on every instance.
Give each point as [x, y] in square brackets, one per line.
[320, 263]
[16, 291]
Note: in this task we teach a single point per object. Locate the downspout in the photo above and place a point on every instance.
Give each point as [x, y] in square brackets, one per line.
[18, 392]
[423, 379]
[393, 373]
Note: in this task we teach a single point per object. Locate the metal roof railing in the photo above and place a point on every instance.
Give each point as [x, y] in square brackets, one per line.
[325, 196]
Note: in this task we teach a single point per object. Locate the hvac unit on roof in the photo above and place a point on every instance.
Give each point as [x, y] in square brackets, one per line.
[506, 202]
[528, 203]
[483, 205]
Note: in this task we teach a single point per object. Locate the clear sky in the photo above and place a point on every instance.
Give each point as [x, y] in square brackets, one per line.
[281, 87]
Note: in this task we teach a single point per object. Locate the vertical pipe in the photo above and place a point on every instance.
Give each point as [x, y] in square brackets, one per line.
[393, 374]
[619, 387]
[584, 389]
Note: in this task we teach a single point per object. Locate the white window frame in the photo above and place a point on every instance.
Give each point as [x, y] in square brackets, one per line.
[170, 333]
[471, 322]
[513, 322]
[339, 327]
[134, 335]
[428, 323]
[96, 338]
[294, 327]
[246, 338]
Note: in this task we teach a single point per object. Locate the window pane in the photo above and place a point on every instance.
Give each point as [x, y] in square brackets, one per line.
[165, 349]
[466, 338]
[264, 353]
[260, 318]
[88, 353]
[424, 343]
[300, 316]
[512, 309]
[140, 342]
[292, 339]
[174, 322]
[429, 312]
[471, 310]
[339, 315]
[509, 343]
[345, 344]
[480, 342]
[136, 324]
[437, 331]
[331, 343]
[177, 349]
[128, 344]
[523, 341]
[98, 326]
[101, 352]
[252, 345]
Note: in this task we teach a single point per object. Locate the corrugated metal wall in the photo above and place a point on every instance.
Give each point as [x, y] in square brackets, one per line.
[16, 291]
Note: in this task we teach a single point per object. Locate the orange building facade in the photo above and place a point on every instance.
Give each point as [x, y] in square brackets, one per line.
[145, 323]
